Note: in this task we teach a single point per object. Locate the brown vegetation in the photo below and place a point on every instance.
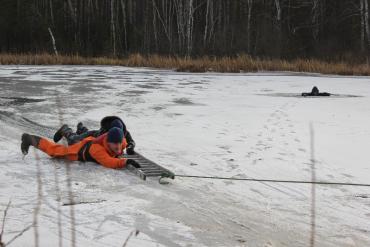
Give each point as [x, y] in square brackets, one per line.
[242, 63]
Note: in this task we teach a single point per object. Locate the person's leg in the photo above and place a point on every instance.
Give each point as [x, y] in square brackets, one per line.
[63, 131]
[74, 138]
[51, 148]
[81, 129]
[67, 132]
[29, 140]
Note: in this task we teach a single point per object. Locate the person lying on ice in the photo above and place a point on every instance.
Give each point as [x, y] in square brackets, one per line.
[104, 150]
[315, 92]
[105, 124]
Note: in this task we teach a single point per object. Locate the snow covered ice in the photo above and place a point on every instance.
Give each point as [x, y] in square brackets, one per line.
[229, 125]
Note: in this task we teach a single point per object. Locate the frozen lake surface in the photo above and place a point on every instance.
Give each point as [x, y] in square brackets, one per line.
[230, 125]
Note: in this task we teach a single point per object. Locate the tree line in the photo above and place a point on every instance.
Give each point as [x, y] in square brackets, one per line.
[263, 28]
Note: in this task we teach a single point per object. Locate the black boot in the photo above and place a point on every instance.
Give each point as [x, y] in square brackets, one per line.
[81, 128]
[63, 131]
[29, 140]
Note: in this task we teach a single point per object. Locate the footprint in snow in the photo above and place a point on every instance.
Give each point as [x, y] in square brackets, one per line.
[256, 160]
[282, 154]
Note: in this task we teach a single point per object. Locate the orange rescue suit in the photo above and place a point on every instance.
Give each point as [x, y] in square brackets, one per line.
[89, 149]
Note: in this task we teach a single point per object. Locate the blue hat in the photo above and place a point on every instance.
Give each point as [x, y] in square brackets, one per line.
[115, 135]
[117, 123]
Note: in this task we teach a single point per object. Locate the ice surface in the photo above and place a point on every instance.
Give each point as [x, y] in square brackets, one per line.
[196, 124]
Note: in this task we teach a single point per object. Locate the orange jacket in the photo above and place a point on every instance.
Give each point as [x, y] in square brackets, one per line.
[97, 150]
[89, 149]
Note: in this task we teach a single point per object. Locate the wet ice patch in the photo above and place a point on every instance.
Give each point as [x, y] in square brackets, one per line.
[185, 101]
[135, 92]
[150, 85]
[192, 83]
[158, 107]
[8, 101]
[24, 124]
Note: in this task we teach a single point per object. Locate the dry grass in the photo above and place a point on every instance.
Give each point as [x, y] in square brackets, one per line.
[2, 244]
[242, 63]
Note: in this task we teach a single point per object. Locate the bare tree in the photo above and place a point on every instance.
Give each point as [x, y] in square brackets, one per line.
[278, 27]
[190, 23]
[362, 25]
[113, 27]
[250, 6]
[316, 9]
[123, 6]
[210, 22]
[53, 41]
[366, 19]
[181, 27]
[165, 18]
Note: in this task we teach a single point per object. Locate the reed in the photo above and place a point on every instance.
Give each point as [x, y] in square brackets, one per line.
[237, 64]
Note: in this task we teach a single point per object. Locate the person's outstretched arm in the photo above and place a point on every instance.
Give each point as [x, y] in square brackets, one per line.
[101, 156]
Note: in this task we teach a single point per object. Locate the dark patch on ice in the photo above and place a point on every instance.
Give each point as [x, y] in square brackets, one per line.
[84, 81]
[192, 83]
[25, 124]
[266, 90]
[97, 77]
[82, 89]
[364, 196]
[135, 92]
[105, 87]
[295, 95]
[74, 202]
[24, 72]
[184, 101]
[8, 80]
[158, 108]
[9, 101]
[152, 85]
[39, 84]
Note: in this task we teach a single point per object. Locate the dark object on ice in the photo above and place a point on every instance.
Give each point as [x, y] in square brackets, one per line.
[63, 131]
[131, 145]
[133, 163]
[81, 129]
[27, 141]
[105, 125]
[148, 168]
[315, 92]
[111, 121]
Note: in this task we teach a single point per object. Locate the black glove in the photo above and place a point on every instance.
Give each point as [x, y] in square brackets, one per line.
[133, 163]
[130, 149]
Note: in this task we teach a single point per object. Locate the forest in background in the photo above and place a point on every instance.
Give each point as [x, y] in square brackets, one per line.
[282, 29]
